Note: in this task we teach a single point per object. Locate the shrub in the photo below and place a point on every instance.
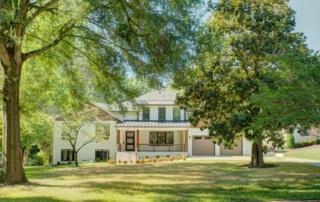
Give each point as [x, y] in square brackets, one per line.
[137, 161]
[111, 161]
[157, 156]
[290, 141]
[125, 161]
[147, 157]
[119, 161]
[37, 160]
[168, 156]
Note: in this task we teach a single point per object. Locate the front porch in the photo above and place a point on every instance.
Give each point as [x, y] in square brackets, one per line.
[138, 142]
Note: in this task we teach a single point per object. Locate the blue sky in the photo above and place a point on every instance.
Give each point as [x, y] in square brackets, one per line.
[307, 17]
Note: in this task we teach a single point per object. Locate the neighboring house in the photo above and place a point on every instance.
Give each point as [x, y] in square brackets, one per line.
[301, 135]
[156, 126]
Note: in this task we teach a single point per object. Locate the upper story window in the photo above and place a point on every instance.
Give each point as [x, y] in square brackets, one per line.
[161, 113]
[146, 113]
[176, 114]
[103, 130]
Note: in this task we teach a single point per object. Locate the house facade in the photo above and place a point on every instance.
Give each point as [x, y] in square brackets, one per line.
[155, 126]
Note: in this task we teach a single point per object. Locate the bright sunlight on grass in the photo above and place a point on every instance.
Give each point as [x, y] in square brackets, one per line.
[192, 180]
[312, 152]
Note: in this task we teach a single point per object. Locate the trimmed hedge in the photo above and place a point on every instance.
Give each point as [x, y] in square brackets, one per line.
[290, 141]
[306, 143]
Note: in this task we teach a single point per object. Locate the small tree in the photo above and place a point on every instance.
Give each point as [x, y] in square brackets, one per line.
[290, 141]
[74, 128]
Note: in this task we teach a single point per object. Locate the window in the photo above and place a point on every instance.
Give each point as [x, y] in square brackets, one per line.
[304, 133]
[161, 113]
[67, 155]
[102, 155]
[146, 113]
[103, 130]
[176, 114]
[161, 138]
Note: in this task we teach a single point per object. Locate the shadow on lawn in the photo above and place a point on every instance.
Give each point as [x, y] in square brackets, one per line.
[49, 199]
[184, 181]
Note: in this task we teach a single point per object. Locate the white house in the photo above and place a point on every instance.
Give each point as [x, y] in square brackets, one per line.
[155, 127]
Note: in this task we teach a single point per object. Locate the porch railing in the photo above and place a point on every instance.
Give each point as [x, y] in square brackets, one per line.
[161, 148]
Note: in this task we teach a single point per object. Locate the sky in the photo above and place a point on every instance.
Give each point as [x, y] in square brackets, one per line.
[308, 20]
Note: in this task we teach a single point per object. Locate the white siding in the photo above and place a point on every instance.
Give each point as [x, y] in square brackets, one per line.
[246, 147]
[87, 153]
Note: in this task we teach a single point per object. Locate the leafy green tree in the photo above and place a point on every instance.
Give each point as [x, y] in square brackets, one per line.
[294, 100]
[290, 141]
[116, 38]
[252, 34]
[76, 130]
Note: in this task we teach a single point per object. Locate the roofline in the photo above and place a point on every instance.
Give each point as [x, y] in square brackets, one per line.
[105, 111]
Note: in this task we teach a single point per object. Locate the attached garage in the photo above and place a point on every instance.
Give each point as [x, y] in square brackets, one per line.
[236, 151]
[202, 145]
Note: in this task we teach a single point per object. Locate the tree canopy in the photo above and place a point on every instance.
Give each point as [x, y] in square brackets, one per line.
[252, 37]
[116, 40]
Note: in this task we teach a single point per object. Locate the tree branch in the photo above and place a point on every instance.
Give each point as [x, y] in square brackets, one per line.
[4, 56]
[66, 27]
[41, 10]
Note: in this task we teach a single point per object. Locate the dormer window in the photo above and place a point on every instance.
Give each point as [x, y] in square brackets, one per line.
[161, 113]
[146, 113]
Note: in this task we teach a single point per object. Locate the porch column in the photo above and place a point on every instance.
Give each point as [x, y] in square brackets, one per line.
[137, 140]
[118, 140]
[186, 141]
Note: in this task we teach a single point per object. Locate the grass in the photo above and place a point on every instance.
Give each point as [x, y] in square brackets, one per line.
[192, 180]
[311, 152]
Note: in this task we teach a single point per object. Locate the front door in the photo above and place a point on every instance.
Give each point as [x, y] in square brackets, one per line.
[129, 141]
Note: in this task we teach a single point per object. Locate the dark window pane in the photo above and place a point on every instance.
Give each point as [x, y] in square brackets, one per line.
[153, 138]
[162, 113]
[169, 137]
[176, 114]
[146, 113]
[161, 137]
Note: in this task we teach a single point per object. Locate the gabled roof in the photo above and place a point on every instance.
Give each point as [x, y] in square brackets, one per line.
[115, 107]
[101, 114]
[160, 97]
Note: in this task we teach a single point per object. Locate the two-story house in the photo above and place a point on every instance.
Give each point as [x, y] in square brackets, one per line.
[156, 126]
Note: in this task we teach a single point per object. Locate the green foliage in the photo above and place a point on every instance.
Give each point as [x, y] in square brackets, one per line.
[290, 141]
[306, 143]
[36, 160]
[232, 73]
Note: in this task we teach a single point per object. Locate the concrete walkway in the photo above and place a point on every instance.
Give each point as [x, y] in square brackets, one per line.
[266, 158]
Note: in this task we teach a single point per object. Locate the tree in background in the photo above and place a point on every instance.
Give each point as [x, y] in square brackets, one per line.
[79, 128]
[116, 38]
[249, 37]
[290, 141]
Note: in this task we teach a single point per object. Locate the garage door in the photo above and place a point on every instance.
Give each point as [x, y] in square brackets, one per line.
[202, 145]
[237, 151]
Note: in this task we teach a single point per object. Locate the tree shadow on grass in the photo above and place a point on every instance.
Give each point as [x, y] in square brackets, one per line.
[26, 199]
[186, 181]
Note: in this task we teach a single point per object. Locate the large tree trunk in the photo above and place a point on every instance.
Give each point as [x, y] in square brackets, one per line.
[257, 155]
[13, 172]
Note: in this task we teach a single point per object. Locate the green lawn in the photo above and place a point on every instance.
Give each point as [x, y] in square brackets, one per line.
[312, 152]
[207, 180]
